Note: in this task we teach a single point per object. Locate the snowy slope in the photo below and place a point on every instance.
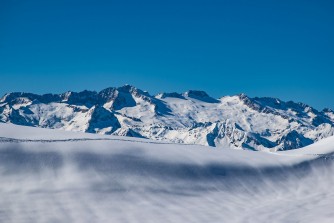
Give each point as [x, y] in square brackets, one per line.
[58, 176]
[190, 118]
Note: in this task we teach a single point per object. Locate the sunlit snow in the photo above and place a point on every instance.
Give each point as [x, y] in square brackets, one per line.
[58, 176]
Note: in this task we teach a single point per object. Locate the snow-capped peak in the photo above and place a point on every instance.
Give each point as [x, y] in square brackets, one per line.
[260, 123]
[200, 95]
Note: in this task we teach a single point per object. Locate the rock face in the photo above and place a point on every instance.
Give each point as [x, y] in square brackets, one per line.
[192, 117]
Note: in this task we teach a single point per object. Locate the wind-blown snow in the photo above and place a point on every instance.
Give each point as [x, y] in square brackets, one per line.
[56, 176]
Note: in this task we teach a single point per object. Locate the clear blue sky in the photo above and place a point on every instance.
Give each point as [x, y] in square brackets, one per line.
[273, 48]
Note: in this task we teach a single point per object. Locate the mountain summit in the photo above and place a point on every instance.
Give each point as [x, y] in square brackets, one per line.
[192, 117]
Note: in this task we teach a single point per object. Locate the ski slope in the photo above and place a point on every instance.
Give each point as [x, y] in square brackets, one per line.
[57, 176]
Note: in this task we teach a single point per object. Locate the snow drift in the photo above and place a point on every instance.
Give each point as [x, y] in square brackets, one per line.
[56, 176]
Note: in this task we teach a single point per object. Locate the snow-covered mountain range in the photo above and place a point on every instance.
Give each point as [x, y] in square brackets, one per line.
[192, 117]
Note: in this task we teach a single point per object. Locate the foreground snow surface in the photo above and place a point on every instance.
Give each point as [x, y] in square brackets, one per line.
[57, 176]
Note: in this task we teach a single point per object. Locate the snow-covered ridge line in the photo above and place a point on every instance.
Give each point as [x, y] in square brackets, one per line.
[192, 117]
[14, 140]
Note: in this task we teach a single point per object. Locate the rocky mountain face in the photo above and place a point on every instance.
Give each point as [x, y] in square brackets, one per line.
[192, 117]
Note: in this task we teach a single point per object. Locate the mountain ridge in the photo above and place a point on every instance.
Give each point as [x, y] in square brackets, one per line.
[193, 117]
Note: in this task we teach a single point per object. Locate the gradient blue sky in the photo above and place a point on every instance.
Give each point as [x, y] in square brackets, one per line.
[273, 48]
